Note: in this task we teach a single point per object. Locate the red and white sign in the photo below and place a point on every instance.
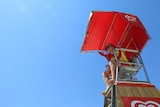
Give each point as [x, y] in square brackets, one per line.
[140, 102]
[131, 18]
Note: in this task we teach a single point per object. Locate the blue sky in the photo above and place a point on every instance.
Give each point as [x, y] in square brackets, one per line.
[40, 60]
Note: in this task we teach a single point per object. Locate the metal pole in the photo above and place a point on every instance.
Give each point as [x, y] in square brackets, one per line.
[117, 61]
[141, 61]
[113, 96]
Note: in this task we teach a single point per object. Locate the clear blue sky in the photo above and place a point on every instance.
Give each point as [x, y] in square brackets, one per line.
[40, 60]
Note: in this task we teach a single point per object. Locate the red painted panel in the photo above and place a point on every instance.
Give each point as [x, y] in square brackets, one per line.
[135, 84]
[140, 102]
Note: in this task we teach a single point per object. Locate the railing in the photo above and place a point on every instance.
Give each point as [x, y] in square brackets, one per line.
[134, 64]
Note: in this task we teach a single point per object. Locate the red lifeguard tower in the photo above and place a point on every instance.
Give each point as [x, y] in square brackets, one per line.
[127, 33]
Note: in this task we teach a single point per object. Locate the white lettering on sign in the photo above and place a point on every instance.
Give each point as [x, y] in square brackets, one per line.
[138, 103]
[131, 18]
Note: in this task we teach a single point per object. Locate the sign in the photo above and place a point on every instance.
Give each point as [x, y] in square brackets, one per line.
[140, 102]
[131, 18]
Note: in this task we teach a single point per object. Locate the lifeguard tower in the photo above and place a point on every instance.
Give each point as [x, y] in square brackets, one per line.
[126, 33]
